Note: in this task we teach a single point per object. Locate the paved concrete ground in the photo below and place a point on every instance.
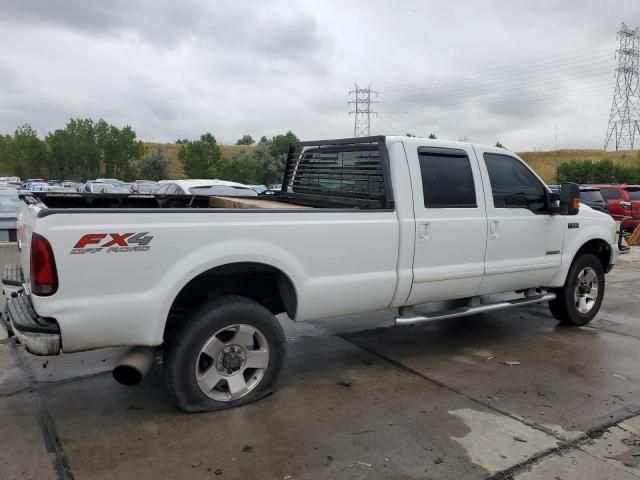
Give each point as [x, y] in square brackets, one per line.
[357, 399]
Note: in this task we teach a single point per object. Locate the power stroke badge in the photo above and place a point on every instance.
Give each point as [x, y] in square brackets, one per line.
[112, 243]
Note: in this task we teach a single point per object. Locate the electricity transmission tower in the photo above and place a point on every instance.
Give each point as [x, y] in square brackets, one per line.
[624, 128]
[362, 112]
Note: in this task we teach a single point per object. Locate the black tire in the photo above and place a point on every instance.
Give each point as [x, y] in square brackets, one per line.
[564, 307]
[183, 353]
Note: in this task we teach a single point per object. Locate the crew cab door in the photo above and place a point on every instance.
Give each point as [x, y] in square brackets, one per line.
[524, 245]
[451, 224]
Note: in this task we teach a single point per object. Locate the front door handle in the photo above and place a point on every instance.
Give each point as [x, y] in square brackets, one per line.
[423, 231]
[493, 230]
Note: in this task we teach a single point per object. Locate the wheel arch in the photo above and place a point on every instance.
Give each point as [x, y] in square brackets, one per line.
[264, 283]
[598, 247]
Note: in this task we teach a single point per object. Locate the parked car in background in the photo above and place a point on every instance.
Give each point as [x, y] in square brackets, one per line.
[9, 202]
[27, 183]
[593, 197]
[205, 187]
[72, 185]
[115, 189]
[258, 188]
[623, 201]
[95, 187]
[112, 181]
[38, 187]
[143, 186]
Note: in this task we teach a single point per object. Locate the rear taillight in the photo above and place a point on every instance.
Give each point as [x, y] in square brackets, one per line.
[625, 205]
[44, 277]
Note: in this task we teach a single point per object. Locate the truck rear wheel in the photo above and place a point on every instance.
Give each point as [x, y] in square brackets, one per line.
[228, 353]
[579, 300]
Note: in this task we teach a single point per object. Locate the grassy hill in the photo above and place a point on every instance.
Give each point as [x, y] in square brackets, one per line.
[171, 150]
[544, 163]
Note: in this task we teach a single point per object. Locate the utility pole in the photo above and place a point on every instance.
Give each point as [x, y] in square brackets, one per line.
[362, 112]
[624, 128]
[557, 158]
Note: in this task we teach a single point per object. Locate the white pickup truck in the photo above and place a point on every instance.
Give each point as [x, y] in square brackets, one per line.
[360, 224]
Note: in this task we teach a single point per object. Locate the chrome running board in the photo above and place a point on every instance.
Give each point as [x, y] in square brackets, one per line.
[412, 319]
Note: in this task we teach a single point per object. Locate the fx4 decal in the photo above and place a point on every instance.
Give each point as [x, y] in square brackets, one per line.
[112, 243]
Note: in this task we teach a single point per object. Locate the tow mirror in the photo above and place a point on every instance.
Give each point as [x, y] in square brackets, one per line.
[569, 199]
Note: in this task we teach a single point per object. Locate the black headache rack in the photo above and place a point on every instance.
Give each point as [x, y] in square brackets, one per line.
[348, 172]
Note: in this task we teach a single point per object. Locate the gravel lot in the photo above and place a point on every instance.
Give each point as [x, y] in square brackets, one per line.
[505, 395]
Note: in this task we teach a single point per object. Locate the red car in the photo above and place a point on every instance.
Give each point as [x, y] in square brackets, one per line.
[624, 201]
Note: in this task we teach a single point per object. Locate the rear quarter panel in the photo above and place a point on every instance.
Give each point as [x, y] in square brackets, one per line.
[339, 263]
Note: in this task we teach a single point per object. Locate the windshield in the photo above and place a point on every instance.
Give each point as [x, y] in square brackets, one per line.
[591, 196]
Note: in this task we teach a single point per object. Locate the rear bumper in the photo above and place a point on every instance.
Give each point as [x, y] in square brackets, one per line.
[39, 335]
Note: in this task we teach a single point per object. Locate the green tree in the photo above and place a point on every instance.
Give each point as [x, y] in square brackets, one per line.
[273, 166]
[8, 161]
[499, 145]
[31, 153]
[75, 152]
[246, 140]
[85, 149]
[280, 143]
[242, 167]
[200, 158]
[120, 150]
[154, 165]
[432, 136]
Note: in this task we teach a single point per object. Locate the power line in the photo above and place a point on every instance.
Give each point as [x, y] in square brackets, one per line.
[502, 71]
[362, 112]
[513, 99]
[482, 90]
[625, 115]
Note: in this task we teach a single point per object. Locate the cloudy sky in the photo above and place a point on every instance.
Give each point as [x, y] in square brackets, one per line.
[482, 70]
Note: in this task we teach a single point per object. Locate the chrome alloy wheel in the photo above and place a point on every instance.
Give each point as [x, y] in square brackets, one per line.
[232, 362]
[586, 291]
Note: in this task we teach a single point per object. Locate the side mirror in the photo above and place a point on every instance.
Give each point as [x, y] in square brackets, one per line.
[569, 199]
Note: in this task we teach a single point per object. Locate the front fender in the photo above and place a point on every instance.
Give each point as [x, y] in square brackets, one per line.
[592, 225]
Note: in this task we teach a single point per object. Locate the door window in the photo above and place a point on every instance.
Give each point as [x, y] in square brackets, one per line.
[611, 193]
[513, 185]
[447, 180]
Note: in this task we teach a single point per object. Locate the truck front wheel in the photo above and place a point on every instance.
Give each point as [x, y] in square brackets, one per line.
[228, 353]
[579, 300]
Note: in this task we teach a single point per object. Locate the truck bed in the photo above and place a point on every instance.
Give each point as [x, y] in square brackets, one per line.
[71, 200]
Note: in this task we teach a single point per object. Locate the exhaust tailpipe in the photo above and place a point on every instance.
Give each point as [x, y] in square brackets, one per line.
[134, 365]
